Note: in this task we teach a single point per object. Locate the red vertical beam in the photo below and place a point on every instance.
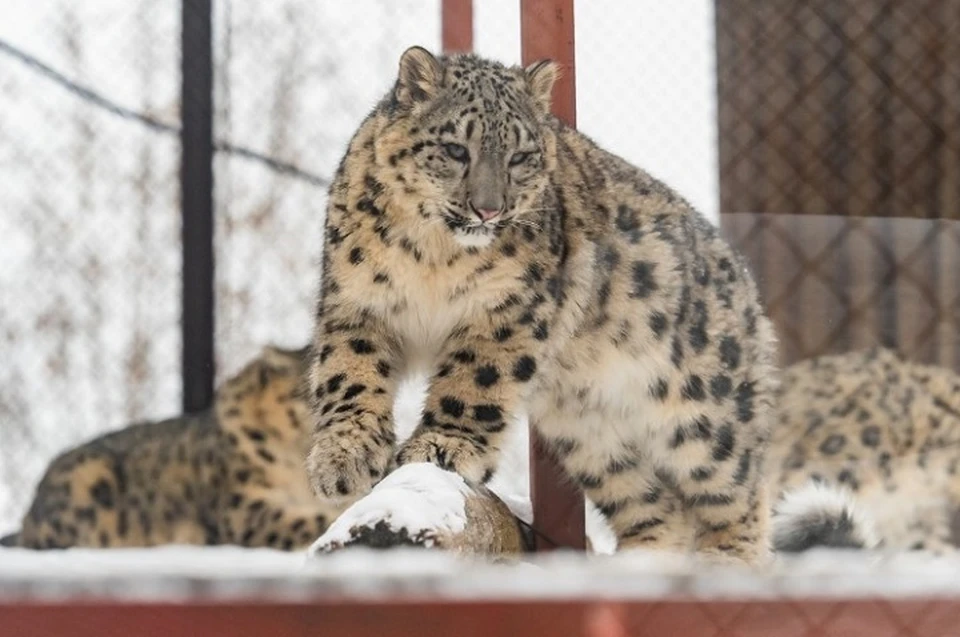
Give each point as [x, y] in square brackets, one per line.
[457, 31]
[546, 32]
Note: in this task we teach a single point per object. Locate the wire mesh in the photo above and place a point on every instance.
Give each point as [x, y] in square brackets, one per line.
[90, 234]
[294, 80]
[845, 108]
[89, 259]
[847, 111]
[646, 83]
[835, 283]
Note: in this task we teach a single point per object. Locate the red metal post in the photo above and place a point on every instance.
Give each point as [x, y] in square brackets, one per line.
[457, 18]
[546, 32]
[678, 614]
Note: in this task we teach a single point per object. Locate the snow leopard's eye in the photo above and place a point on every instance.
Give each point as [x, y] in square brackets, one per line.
[519, 158]
[457, 152]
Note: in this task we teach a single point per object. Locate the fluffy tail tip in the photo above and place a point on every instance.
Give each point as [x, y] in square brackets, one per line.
[820, 515]
[10, 540]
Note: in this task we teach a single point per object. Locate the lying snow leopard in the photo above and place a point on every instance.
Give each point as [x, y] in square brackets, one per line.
[469, 230]
[230, 475]
[884, 429]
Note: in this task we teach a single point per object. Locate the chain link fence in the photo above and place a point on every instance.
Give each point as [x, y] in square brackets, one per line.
[294, 79]
[846, 108]
[646, 83]
[839, 163]
[90, 230]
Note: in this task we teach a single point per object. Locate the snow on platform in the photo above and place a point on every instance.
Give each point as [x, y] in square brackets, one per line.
[225, 573]
[423, 498]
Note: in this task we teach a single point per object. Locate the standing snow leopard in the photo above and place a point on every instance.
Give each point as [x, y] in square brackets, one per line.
[469, 230]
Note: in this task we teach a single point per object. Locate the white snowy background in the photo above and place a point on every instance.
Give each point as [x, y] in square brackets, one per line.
[89, 219]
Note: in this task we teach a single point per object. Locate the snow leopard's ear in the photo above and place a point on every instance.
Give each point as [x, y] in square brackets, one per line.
[540, 77]
[420, 76]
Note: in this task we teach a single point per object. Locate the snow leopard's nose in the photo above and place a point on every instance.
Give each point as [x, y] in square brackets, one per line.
[485, 213]
[486, 188]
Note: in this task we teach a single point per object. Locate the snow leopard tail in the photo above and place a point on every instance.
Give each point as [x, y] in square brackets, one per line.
[10, 540]
[819, 515]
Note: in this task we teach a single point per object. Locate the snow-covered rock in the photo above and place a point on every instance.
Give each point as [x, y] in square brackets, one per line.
[413, 505]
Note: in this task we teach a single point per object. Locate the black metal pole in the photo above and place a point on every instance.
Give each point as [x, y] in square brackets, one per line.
[196, 203]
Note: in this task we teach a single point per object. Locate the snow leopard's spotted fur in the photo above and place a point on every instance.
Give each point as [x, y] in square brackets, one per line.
[470, 231]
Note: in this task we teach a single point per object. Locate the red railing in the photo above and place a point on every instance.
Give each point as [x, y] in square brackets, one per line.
[834, 618]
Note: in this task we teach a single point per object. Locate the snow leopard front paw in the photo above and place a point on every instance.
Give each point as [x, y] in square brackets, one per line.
[459, 455]
[346, 460]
